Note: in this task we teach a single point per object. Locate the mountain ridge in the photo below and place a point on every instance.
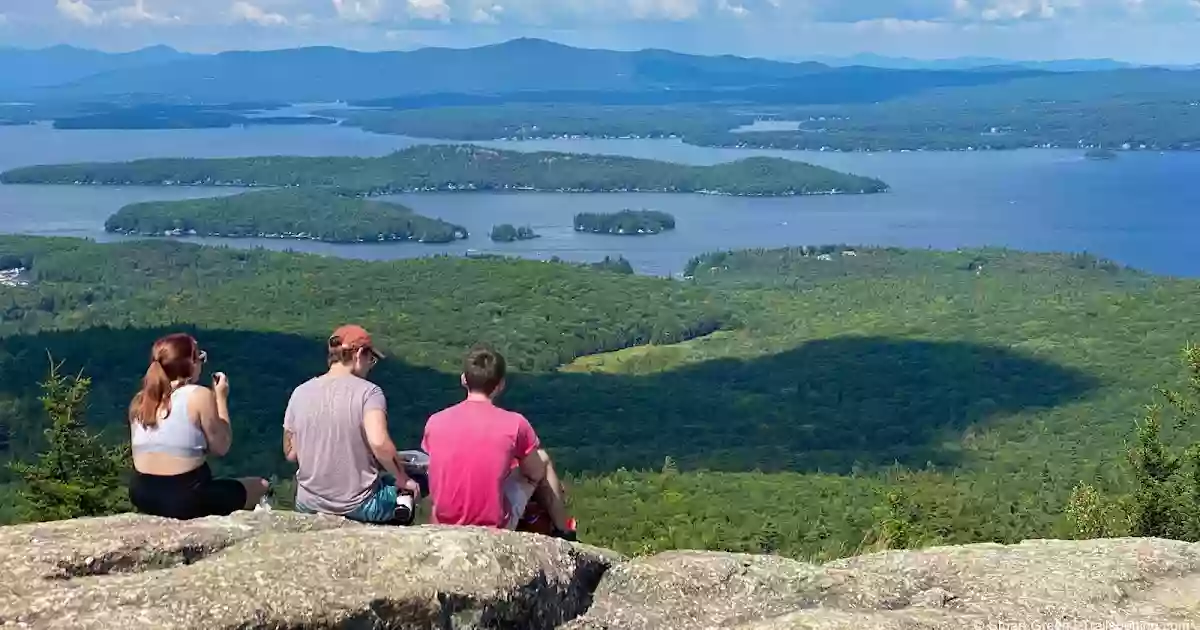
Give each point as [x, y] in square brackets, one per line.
[517, 66]
[23, 69]
[979, 63]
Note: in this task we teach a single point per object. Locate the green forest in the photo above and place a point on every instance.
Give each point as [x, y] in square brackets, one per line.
[322, 215]
[426, 168]
[507, 233]
[782, 401]
[613, 265]
[1150, 109]
[624, 223]
[526, 121]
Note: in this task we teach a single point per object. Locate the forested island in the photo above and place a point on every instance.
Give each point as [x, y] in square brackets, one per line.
[624, 223]
[313, 214]
[427, 168]
[507, 233]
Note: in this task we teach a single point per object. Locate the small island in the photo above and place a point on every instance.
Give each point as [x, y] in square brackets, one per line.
[625, 222]
[316, 214]
[455, 168]
[507, 233]
[1100, 153]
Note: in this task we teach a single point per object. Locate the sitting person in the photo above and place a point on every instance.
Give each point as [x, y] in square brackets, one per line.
[335, 429]
[175, 424]
[485, 463]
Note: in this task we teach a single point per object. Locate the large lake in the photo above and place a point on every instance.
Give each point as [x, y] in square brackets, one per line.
[1141, 209]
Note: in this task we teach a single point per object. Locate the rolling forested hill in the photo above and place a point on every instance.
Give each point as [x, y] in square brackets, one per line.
[771, 403]
[425, 168]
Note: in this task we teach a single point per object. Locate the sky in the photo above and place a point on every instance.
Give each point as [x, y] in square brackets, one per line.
[1151, 31]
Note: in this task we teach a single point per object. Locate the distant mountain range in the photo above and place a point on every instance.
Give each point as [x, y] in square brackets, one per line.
[23, 69]
[980, 63]
[520, 70]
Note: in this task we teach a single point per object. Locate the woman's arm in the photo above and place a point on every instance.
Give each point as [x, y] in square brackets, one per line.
[214, 420]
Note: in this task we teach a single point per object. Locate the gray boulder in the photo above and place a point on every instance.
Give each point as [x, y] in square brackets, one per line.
[280, 570]
[1126, 583]
[274, 571]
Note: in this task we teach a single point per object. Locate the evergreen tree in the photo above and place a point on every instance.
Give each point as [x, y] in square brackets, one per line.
[1165, 497]
[77, 474]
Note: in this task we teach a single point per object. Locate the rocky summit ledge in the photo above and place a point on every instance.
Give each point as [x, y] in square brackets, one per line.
[281, 570]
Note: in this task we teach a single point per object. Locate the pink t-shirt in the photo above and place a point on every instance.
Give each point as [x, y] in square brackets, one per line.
[472, 447]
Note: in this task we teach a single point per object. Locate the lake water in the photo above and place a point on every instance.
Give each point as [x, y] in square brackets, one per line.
[1139, 209]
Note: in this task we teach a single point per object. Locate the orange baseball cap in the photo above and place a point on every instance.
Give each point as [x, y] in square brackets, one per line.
[353, 337]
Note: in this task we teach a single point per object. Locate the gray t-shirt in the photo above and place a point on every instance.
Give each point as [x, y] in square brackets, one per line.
[325, 416]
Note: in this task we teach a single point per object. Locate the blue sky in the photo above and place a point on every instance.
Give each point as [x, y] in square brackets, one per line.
[1139, 30]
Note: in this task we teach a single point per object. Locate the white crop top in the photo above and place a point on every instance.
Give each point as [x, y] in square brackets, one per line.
[174, 435]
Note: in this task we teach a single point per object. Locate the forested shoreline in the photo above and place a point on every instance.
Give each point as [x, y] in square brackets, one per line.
[428, 168]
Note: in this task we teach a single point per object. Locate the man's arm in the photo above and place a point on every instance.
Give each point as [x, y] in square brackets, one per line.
[382, 447]
[289, 443]
[289, 447]
[533, 466]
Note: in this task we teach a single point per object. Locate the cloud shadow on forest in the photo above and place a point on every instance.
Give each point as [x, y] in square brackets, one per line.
[825, 405]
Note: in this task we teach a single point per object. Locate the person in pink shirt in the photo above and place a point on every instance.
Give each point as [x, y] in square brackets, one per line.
[486, 463]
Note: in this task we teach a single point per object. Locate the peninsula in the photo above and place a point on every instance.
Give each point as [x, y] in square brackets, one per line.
[314, 214]
[429, 168]
[625, 222]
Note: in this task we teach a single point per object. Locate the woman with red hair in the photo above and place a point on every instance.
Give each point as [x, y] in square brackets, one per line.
[176, 424]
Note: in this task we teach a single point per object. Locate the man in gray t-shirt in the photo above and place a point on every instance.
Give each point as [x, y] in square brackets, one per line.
[335, 429]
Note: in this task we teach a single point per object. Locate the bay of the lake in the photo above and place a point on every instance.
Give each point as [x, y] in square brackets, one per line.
[1139, 209]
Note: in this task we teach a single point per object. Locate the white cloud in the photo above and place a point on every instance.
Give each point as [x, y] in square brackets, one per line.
[137, 12]
[664, 9]
[360, 10]
[487, 15]
[243, 11]
[892, 25]
[78, 11]
[429, 10]
[769, 27]
[587, 15]
[737, 10]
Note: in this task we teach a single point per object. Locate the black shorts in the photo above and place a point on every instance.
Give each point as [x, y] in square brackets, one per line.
[194, 494]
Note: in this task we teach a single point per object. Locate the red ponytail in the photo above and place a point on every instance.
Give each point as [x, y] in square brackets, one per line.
[172, 358]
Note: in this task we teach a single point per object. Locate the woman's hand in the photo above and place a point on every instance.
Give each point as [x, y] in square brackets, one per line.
[221, 385]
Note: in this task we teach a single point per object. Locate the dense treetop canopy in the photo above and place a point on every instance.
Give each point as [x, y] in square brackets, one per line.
[316, 214]
[463, 167]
